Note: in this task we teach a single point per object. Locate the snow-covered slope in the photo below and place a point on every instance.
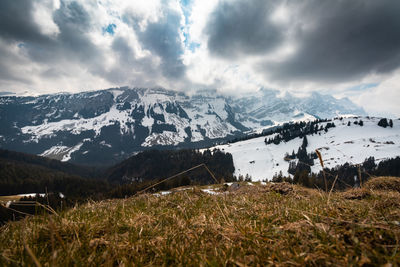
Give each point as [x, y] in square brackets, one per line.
[108, 125]
[341, 144]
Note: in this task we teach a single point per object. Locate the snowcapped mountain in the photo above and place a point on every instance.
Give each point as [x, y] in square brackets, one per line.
[103, 127]
[266, 105]
[344, 143]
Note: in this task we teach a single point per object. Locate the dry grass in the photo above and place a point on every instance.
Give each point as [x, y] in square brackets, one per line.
[357, 193]
[384, 183]
[254, 225]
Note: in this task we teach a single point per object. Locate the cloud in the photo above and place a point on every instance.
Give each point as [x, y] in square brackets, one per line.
[235, 46]
[163, 38]
[381, 100]
[243, 28]
[16, 21]
[56, 42]
[332, 41]
[128, 63]
[343, 41]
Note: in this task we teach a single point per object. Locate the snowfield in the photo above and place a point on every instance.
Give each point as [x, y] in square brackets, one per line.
[352, 144]
[62, 153]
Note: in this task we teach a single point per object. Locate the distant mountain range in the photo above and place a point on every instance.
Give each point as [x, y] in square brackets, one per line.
[106, 126]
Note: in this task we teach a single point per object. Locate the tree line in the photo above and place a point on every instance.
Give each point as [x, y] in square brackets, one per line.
[349, 175]
[291, 131]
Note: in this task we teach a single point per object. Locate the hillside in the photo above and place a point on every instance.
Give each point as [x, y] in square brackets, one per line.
[276, 224]
[338, 145]
[155, 164]
[51, 164]
[107, 126]
[22, 173]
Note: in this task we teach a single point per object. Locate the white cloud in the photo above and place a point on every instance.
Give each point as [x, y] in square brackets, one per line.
[383, 99]
[42, 14]
[201, 10]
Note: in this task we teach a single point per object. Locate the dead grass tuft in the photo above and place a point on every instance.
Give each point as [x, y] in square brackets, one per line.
[356, 193]
[384, 183]
[281, 188]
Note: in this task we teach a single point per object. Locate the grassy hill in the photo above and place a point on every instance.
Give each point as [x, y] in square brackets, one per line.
[256, 224]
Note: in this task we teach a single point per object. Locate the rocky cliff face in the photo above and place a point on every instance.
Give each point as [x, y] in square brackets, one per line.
[103, 127]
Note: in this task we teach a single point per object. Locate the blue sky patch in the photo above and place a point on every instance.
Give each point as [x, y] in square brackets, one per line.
[110, 29]
[186, 6]
[363, 86]
[192, 46]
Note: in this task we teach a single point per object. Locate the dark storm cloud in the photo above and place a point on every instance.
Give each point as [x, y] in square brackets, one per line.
[74, 21]
[16, 21]
[242, 27]
[70, 45]
[163, 39]
[351, 39]
[336, 40]
[128, 62]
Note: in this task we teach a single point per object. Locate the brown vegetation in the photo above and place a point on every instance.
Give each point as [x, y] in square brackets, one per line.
[384, 183]
[280, 224]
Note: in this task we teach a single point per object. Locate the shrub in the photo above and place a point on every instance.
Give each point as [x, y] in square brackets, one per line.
[383, 123]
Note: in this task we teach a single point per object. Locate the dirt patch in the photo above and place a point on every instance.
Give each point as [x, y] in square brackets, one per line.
[356, 193]
[281, 188]
[296, 226]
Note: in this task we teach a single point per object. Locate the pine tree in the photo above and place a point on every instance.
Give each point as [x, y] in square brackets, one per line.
[305, 142]
[384, 123]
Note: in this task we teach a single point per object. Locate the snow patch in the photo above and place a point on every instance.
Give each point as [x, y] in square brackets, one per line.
[164, 138]
[339, 145]
[32, 195]
[78, 126]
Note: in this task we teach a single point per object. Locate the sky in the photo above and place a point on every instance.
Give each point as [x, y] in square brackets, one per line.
[344, 48]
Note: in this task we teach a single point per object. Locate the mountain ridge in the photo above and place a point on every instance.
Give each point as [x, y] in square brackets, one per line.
[105, 126]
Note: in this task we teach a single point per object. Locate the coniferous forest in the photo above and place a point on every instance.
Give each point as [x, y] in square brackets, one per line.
[24, 173]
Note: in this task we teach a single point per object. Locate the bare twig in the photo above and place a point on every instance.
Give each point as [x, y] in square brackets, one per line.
[333, 185]
[322, 165]
[212, 175]
[359, 174]
[30, 253]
